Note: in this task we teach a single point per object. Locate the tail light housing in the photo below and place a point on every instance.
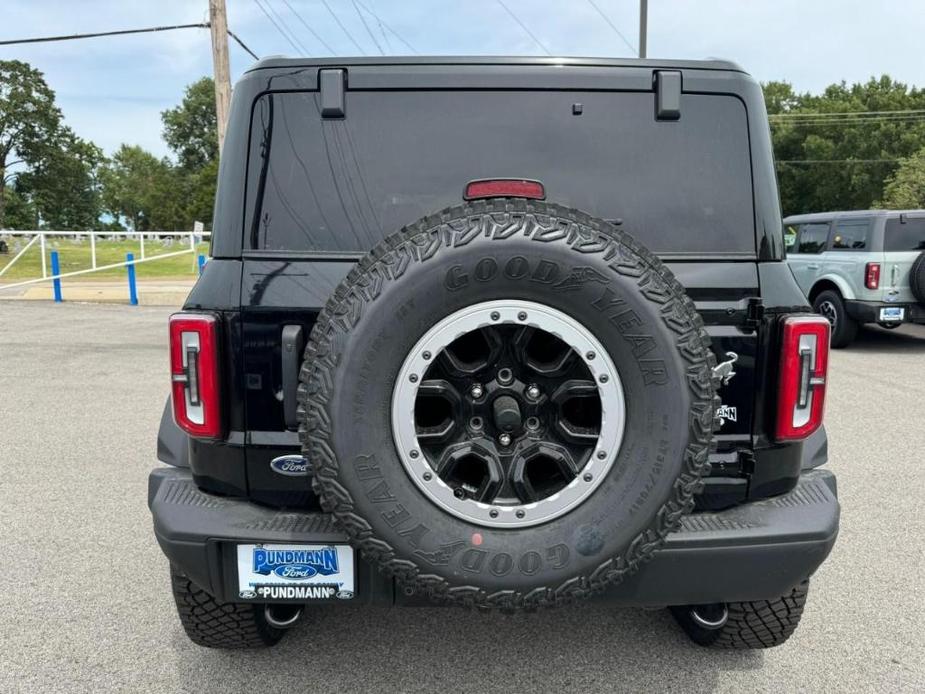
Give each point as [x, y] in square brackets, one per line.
[872, 276]
[194, 374]
[804, 364]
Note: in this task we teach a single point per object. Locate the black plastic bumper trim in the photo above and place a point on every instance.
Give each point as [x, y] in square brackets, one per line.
[869, 311]
[751, 552]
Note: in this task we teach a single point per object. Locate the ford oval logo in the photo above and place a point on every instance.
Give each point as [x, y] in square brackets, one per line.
[295, 572]
[290, 465]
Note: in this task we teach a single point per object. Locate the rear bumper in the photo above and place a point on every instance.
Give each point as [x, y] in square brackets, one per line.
[869, 311]
[752, 552]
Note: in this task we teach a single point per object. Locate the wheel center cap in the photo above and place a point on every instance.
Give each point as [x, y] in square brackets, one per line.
[507, 413]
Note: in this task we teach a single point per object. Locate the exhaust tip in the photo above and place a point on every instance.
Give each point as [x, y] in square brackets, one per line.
[710, 616]
[282, 616]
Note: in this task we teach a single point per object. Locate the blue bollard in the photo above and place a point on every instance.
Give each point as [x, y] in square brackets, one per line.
[132, 289]
[202, 262]
[55, 271]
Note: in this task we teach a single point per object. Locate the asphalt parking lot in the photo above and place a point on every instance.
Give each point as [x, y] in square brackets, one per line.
[86, 602]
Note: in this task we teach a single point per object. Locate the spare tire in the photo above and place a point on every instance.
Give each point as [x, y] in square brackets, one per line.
[508, 404]
[917, 278]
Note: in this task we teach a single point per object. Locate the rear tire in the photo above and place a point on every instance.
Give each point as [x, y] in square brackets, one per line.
[750, 625]
[844, 328]
[215, 624]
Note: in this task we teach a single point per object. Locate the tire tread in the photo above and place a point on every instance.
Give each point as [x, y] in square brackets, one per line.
[499, 219]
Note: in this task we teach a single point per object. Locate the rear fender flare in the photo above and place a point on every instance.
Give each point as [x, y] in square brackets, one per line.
[843, 287]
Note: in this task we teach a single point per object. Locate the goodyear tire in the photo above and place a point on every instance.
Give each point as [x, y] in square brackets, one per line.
[524, 495]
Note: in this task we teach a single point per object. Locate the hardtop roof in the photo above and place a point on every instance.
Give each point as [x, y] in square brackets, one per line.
[279, 61]
[848, 214]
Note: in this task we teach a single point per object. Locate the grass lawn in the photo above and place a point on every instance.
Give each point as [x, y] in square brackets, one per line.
[75, 255]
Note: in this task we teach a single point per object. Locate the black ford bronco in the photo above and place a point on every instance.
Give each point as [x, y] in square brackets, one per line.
[500, 333]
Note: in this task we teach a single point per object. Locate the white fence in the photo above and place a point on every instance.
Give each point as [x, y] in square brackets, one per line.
[189, 239]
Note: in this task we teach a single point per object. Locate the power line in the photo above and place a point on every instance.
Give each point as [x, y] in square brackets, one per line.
[524, 27]
[121, 32]
[313, 32]
[805, 114]
[612, 26]
[368, 31]
[385, 37]
[278, 27]
[242, 44]
[288, 29]
[343, 28]
[386, 25]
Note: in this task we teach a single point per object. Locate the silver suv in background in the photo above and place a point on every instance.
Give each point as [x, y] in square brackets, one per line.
[864, 266]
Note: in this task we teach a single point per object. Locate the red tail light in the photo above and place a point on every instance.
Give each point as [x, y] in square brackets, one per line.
[194, 374]
[504, 188]
[804, 364]
[872, 276]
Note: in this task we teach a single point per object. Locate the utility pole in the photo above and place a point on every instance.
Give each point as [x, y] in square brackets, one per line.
[218, 23]
[643, 26]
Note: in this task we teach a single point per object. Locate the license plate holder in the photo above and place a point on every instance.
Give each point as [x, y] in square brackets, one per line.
[295, 572]
[892, 314]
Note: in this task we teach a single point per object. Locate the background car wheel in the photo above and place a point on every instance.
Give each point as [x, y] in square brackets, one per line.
[215, 624]
[744, 625]
[844, 328]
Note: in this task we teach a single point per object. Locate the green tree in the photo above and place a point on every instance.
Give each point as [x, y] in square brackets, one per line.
[29, 121]
[841, 162]
[20, 212]
[905, 189]
[144, 191]
[63, 185]
[190, 132]
[190, 128]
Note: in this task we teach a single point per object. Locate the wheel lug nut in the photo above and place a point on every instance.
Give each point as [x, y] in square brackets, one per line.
[522, 316]
[520, 513]
[533, 392]
[493, 513]
[476, 391]
[495, 315]
[588, 477]
[589, 356]
[505, 440]
[505, 377]
[459, 493]
[414, 454]
[602, 454]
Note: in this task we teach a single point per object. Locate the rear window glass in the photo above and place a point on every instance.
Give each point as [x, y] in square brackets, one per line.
[851, 235]
[343, 185]
[908, 236]
[813, 238]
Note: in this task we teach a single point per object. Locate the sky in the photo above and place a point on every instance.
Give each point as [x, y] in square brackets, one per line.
[112, 90]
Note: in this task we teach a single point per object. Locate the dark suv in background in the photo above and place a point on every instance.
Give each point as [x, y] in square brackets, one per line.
[495, 332]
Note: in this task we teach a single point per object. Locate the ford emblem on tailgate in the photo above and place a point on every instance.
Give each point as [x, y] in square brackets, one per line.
[291, 465]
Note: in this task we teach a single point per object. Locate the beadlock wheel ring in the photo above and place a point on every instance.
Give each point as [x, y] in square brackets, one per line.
[503, 313]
